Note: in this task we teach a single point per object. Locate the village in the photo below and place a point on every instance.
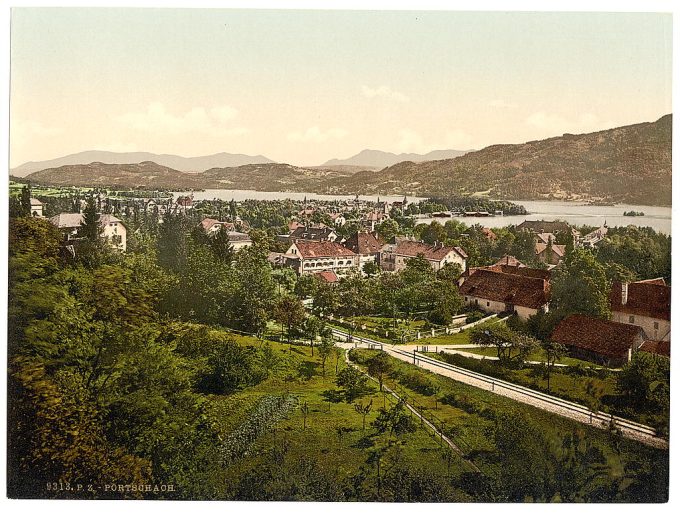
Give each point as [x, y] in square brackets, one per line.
[640, 310]
[351, 324]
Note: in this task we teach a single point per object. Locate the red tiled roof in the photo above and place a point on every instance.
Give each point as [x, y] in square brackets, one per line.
[600, 336]
[313, 233]
[430, 252]
[510, 260]
[313, 249]
[364, 243]
[208, 223]
[557, 249]
[489, 233]
[508, 288]
[645, 298]
[512, 270]
[658, 281]
[328, 276]
[657, 347]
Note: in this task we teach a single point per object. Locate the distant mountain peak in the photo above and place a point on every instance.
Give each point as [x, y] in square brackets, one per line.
[177, 162]
[379, 159]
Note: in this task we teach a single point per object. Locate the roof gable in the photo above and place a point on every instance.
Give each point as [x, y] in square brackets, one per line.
[645, 298]
[509, 288]
[596, 335]
[315, 249]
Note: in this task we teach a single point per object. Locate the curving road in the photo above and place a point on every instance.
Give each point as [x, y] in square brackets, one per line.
[546, 402]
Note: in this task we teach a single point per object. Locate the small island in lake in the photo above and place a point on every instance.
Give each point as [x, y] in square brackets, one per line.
[633, 213]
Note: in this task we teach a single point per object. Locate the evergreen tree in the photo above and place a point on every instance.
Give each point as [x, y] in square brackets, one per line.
[221, 246]
[26, 200]
[90, 227]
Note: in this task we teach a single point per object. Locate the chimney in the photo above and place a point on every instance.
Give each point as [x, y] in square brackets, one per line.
[624, 293]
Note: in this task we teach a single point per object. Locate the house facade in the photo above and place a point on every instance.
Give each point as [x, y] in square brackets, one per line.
[315, 256]
[394, 256]
[366, 245]
[645, 304]
[550, 253]
[210, 226]
[37, 208]
[113, 229]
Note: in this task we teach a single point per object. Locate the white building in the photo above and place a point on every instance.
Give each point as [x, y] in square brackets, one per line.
[113, 229]
[394, 256]
[646, 304]
[37, 208]
[314, 256]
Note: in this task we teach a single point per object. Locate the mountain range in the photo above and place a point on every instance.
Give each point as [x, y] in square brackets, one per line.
[630, 164]
[177, 162]
[379, 159]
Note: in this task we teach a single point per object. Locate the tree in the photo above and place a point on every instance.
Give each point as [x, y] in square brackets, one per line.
[524, 247]
[352, 381]
[553, 352]
[313, 327]
[363, 410]
[26, 201]
[290, 312]
[90, 228]
[325, 298]
[446, 303]
[580, 286]
[388, 229]
[306, 285]
[645, 382]
[450, 273]
[497, 335]
[221, 246]
[505, 340]
[252, 292]
[581, 465]
[305, 412]
[287, 279]
[371, 269]
[325, 350]
[379, 366]
[394, 420]
[527, 461]
[269, 359]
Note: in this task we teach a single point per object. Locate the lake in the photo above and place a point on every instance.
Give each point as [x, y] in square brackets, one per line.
[574, 213]
[241, 194]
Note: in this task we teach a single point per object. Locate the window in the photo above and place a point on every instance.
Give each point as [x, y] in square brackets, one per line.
[656, 325]
[476, 301]
[487, 304]
[631, 319]
[466, 298]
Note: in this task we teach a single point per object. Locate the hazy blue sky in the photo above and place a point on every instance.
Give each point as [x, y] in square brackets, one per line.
[307, 86]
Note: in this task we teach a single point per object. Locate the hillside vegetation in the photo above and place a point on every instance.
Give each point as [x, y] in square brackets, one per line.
[629, 164]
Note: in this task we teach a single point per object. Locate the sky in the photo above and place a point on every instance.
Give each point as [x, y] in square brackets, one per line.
[306, 86]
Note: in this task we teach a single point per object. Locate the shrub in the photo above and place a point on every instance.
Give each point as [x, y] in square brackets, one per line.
[419, 383]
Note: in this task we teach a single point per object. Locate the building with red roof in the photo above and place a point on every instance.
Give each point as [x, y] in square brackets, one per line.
[329, 277]
[662, 348]
[394, 256]
[646, 304]
[313, 256]
[493, 290]
[598, 340]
